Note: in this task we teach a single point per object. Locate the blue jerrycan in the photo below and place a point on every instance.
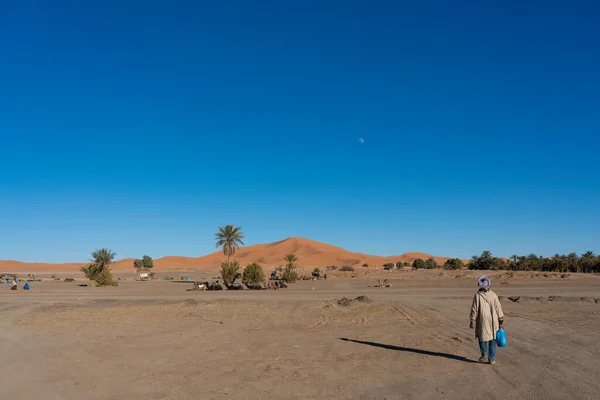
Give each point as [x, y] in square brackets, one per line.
[501, 338]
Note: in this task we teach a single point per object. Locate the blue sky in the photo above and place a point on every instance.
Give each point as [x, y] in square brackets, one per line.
[143, 126]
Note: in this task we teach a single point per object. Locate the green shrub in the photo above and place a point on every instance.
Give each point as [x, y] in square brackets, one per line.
[365, 265]
[253, 273]
[388, 266]
[317, 270]
[90, 271]
[454, 263]
[431, 264]
[229, 271]
[346, 268]
[419, 264]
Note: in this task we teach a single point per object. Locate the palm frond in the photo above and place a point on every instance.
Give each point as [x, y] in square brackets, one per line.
[229, 238]
[103, 257]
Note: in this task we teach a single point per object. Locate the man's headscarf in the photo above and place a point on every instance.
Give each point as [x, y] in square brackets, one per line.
[483, 282]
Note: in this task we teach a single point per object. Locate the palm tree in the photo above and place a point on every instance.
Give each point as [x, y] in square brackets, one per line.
[90, 271]
[514, 258]
[573, 262]
[229, 238]
[98, 271]
[587, 261]
[291, 261]
[559, 263]
[290, 275]
[101, 258]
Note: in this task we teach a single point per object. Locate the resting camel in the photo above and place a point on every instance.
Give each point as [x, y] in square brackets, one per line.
[385, 283]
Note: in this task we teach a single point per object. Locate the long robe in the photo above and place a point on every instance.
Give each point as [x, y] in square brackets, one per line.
[486, 311]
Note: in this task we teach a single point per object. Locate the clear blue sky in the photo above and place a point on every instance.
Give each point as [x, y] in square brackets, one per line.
[143, 125]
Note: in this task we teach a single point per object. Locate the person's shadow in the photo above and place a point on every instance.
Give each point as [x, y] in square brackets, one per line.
[408, 349]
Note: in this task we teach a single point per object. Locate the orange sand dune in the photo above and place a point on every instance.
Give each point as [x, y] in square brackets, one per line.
[310, 254]
[11, 265]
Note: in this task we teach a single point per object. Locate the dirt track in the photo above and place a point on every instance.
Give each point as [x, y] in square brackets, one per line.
[154, 340]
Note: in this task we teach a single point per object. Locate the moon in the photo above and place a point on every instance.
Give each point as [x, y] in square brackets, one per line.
[361, 140]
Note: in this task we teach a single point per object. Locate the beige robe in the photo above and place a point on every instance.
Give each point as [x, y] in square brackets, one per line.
[485, 313]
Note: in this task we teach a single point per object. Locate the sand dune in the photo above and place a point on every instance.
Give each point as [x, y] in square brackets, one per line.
[310, 253]
[10, 265]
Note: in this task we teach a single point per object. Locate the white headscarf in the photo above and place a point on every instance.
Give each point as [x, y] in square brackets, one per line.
[483, 282]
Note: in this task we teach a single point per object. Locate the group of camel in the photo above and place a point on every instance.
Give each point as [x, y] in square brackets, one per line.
[274, 283]
[216, 285]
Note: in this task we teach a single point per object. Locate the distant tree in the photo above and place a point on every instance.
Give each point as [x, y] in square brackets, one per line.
[588, 262]
[573, 262]
[419, 264]
[144, 263]
[347, 268]
[486, 261]
[138, 264]
[229, 271]
[317, 270]
[388, 266]
[331, 267]
[399, 265]
[454, 263]
[406, 264]
[147, 262]
[253, 273]
[365, 265]
[229, 238]
[431, 264]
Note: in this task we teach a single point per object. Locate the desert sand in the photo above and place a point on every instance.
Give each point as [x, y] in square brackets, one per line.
[311, 254]
[154, 340]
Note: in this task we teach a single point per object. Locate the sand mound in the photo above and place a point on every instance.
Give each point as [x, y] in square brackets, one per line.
[346, 302]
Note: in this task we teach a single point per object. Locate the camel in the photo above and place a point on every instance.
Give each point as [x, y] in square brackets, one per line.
[385, 283]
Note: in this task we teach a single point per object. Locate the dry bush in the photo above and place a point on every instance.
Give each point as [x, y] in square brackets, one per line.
[290, 275]
[105, 278]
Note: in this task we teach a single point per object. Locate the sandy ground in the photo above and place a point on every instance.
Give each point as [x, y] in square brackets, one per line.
[154, 340]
